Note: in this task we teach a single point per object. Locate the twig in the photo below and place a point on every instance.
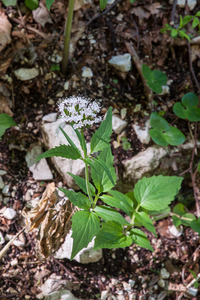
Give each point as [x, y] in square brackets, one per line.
[191, 67]
[103, 13]
[138, 36]
[5, 249]
[173, 12]
[136, 59]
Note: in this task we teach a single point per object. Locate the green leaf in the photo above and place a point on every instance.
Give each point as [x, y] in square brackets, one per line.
[155, 87]
[195, 225]
[9, 2]
[119, 200]
[190, 100]
[160, 77]
[115, 81]
[174, 33]
[179, 209]
[85, 226]
[158, 137]
[184, 35]
[70, 141]
[157, 192]
[147, 73]
[193, 273]
[77, 199]
[198, 167]
[49, 3]
[198, 14]
[139, 238]
[179, 110]
[63, 151]
[144, 219]
[82, 183]
[176, 221]
[81, 139]
[101, 179]
[158, 122]
[103, 4]
[32, 4]
[195, 22]
[111, 236]
[101, 137]
[193, 114]
[188, 109]
[181, 22]
[174, 136]
[186, 20]
[110, 214]
[5, 123]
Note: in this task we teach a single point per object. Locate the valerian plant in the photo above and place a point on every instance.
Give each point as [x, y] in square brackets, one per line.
[116, 223]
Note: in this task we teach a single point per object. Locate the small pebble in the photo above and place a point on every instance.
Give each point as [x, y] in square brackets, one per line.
[9, 213]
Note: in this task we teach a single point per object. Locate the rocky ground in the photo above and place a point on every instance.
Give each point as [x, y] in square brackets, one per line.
[31, 86]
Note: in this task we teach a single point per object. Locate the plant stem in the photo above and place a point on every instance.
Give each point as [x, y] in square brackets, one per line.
[68, 26]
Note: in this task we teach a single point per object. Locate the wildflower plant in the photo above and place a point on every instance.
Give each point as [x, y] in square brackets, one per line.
[116, 223]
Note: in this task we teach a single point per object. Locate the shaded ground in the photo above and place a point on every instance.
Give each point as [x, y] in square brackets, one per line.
[37, 97]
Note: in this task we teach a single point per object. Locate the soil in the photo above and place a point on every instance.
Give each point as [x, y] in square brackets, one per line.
[102, 38]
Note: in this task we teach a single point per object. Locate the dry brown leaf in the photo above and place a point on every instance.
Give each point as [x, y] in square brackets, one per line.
[5, 28]
[36, 215]
[4, 106]
[41, 15]
[176, 287]
[84, 4]
[195, 52]
[144, 12]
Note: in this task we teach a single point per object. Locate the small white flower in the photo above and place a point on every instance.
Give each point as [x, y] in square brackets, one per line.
[79, 111]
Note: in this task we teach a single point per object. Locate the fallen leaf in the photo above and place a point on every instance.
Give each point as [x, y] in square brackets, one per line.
[176, 287]
[82, 4]
[5, 28]
[195, 52]
[41, 15]
[4, 106]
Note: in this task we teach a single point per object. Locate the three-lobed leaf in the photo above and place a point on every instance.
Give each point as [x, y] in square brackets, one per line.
[188, 108]
[85, 225]
[157, 192]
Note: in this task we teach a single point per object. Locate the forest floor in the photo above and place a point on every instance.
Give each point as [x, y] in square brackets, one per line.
[96, 37]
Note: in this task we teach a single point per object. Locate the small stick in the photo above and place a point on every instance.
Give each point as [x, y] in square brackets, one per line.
[191, 67]
[173, 12]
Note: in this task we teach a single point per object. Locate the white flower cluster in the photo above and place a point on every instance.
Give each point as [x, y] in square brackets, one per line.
[79, 111]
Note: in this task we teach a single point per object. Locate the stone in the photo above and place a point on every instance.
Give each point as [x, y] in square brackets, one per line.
[51, 102]
[6, 200]
[104, 295]
[143, 133]
[66, 85]
[9, 213]
[87, 72]
[18, 243]
[121, 62]
[85, 256]
[161, 283]
[142, 163]
[192, 291]
[165, 90]
[3, 172]
[1, 183]
[54, 137]
[176, 231]
[40, 169]
[5, 190]
[50, 117]
[2, 240]
[56, 57]
[14, 262]
[118, 125]
[123, 113]
[26, 74]
[164, 274]
[181, 3]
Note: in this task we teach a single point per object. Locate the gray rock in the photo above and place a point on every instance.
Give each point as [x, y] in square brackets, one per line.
[9, 213]
[26, 74]
[6, 200]
[2, 172]
[87, 72]
[118, 125]
[192, 291]
[50, 117]
[161, 283]
[164, 274]
[121, 62]
[176, 231]
[2, 240]
[1, 183]
[85, 256]
[191, 3]
[5, 190]
[18, 243]
[142, 133]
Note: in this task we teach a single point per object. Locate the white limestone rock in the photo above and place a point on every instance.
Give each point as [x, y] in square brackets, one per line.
[176, 231]
[1, 183]
[50, 117]
[40, 170]
[118, 125]
[2, 240]
[54, 137]
[143, 162]
[26, 74]
[143, 133]
[181, 3]
[9, 213]
[121, 62]
[164, 274]
[5, 190]
[85, 256]
[87, 72]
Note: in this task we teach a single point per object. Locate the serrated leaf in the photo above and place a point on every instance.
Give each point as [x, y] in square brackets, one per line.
[110, 214]
[158, 122]
[5, 123]
[70, 141]
[147, 73]
[174, 136]
[119, 200]
[111, 236]
[139, 238]
[63, 151]
[157, 192]
[77, 199]
[158, 137]
[160, 77]
[82, 183]
[49, 3]
[101, 137]
[85, 226]
[144, 219]
[32, 4]
[101, 179]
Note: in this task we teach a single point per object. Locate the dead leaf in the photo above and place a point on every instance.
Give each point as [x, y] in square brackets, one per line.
[195, 52]
[41, 15]
[84, 4]
[176, 287]
[144, 12]
[5, 28]
[4, 106]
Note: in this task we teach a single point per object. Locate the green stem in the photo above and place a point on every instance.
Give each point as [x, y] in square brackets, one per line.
[133, 216]
[96, 198]
[68, 26]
